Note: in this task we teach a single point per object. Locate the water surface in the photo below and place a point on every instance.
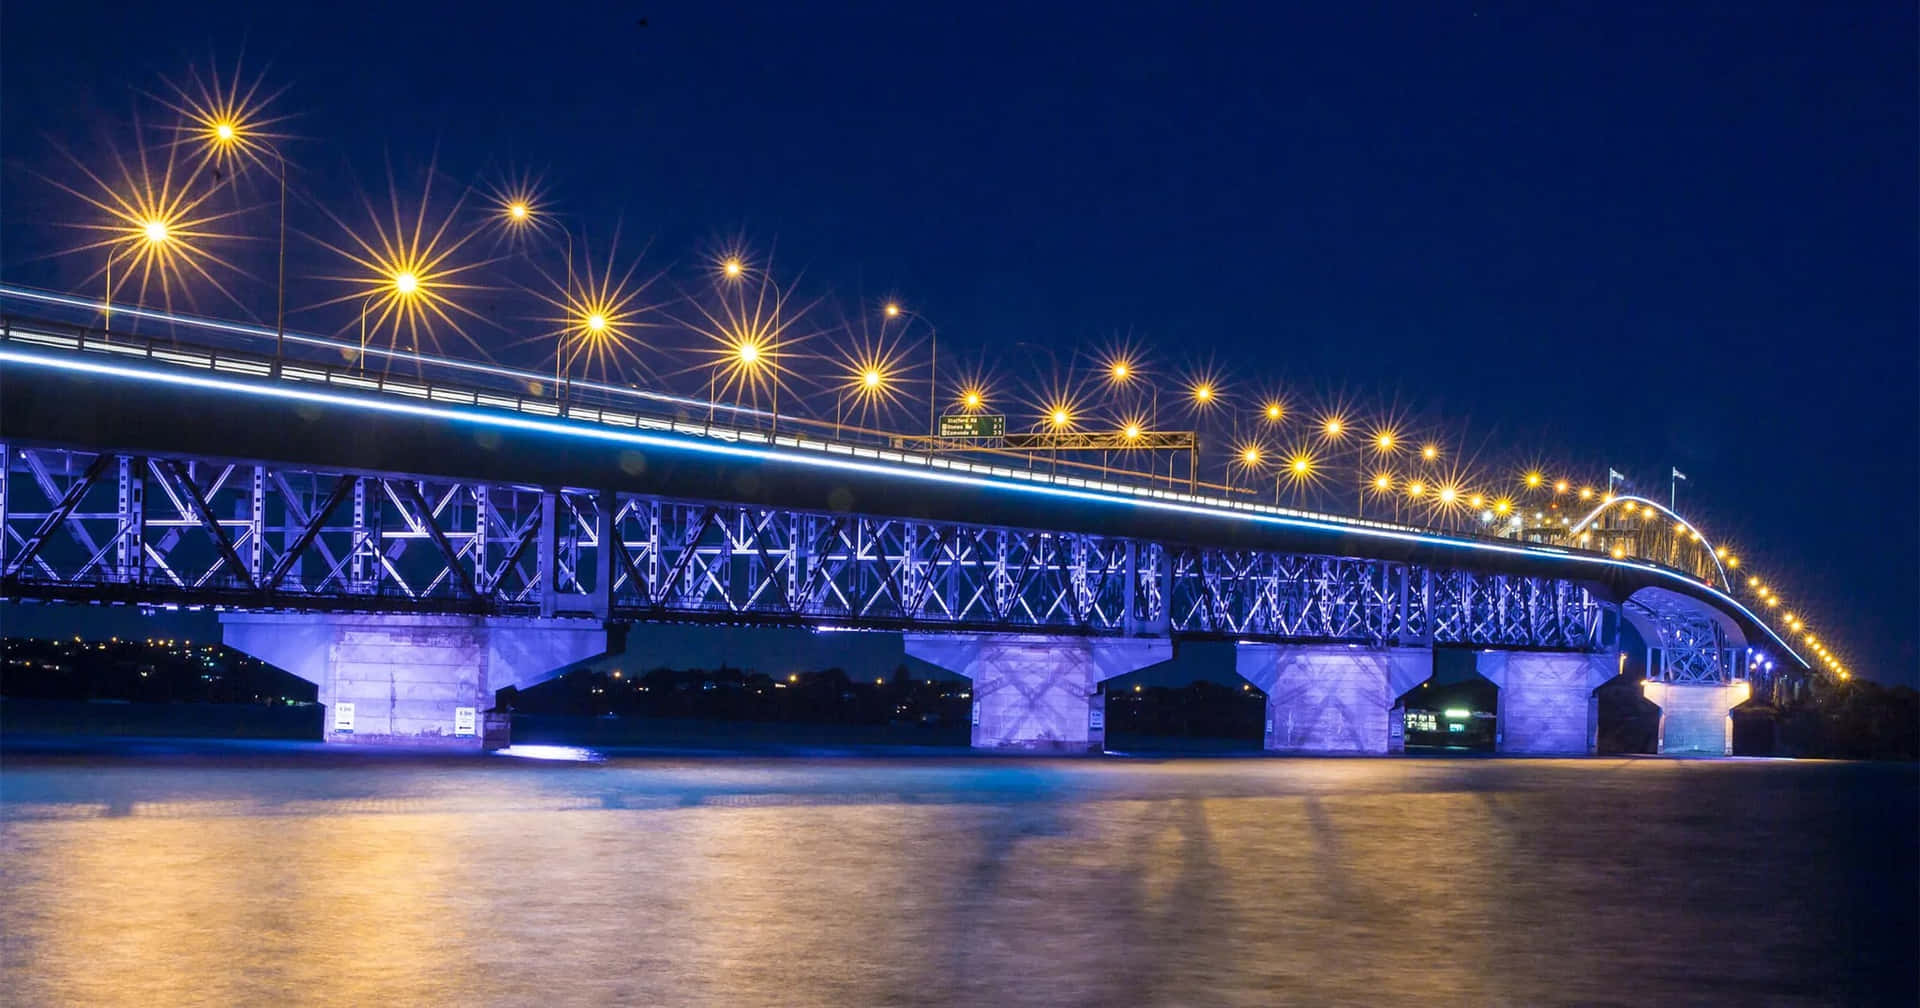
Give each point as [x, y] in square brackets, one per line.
[251, 874]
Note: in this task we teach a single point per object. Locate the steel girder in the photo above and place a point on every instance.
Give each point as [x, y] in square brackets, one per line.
[83, 525]
[1687, 645]
[1478, 608]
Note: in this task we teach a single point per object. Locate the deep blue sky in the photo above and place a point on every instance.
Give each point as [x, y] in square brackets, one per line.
[1640, 236]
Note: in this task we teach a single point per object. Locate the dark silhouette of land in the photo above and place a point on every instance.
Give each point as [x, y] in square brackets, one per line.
[176, 687]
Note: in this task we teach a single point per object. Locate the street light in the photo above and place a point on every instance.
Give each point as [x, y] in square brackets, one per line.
[1380, 486]
[868, 381]
[1248, 458]
[587, 325]
[1300, 471]
[231, 127]
[1061, 419]
[519, 210]
[402, 287]
[154, 220]
[743, 355]
[1202, 394]
[892, 310]
[149, 238]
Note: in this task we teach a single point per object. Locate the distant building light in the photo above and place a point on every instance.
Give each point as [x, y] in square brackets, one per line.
[1457, 712]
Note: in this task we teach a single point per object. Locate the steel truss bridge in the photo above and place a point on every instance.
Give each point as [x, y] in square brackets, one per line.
[152, 471]
[102, 525]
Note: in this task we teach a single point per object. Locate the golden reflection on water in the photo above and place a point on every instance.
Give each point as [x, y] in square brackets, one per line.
[791, 883]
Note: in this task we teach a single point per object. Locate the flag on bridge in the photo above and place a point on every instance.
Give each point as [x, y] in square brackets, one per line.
[1677, 474]
[1615, 474]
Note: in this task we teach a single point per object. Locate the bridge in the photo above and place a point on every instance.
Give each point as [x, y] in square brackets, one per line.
[413, 532]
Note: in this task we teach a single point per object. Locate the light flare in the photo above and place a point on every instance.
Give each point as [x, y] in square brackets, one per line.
[155, 226]
[227, 120]
[599, 316]
[412, 272]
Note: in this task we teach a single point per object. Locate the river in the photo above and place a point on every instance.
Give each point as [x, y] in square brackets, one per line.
[232, 874]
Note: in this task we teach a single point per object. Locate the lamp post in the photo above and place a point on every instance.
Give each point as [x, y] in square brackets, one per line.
[403, 286]
[1060, 419]
[1386, 443]
[236, 137]
[1334, 429]
[1055, 414]
[892, 310]
[1204, 397]
[153, 236]
[747, 356]
[592, 325]
[1382, 485]
[365, 304]
[1300, 468]
[869, 383]
[280, 294]
[1120, 375]
[518, 213]
[1250, 460]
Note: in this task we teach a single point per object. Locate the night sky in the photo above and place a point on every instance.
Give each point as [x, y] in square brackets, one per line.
[1621, 236]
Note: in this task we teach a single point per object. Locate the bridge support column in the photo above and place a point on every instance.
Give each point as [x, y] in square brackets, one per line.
[1696, 718]
[1037, 692]
[1331, 698]
[1547, 703]
[411, 679]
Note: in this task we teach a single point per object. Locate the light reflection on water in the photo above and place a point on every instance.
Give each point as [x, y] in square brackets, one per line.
[312, 878]
[554, 753]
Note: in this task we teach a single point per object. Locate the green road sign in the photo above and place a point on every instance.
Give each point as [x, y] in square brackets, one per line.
[982, 425]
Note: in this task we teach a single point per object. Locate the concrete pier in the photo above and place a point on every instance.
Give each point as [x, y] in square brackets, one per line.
[1547, 705]
[1038, 692]
[1331, 698]
[1696, 718]
[412, 679]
